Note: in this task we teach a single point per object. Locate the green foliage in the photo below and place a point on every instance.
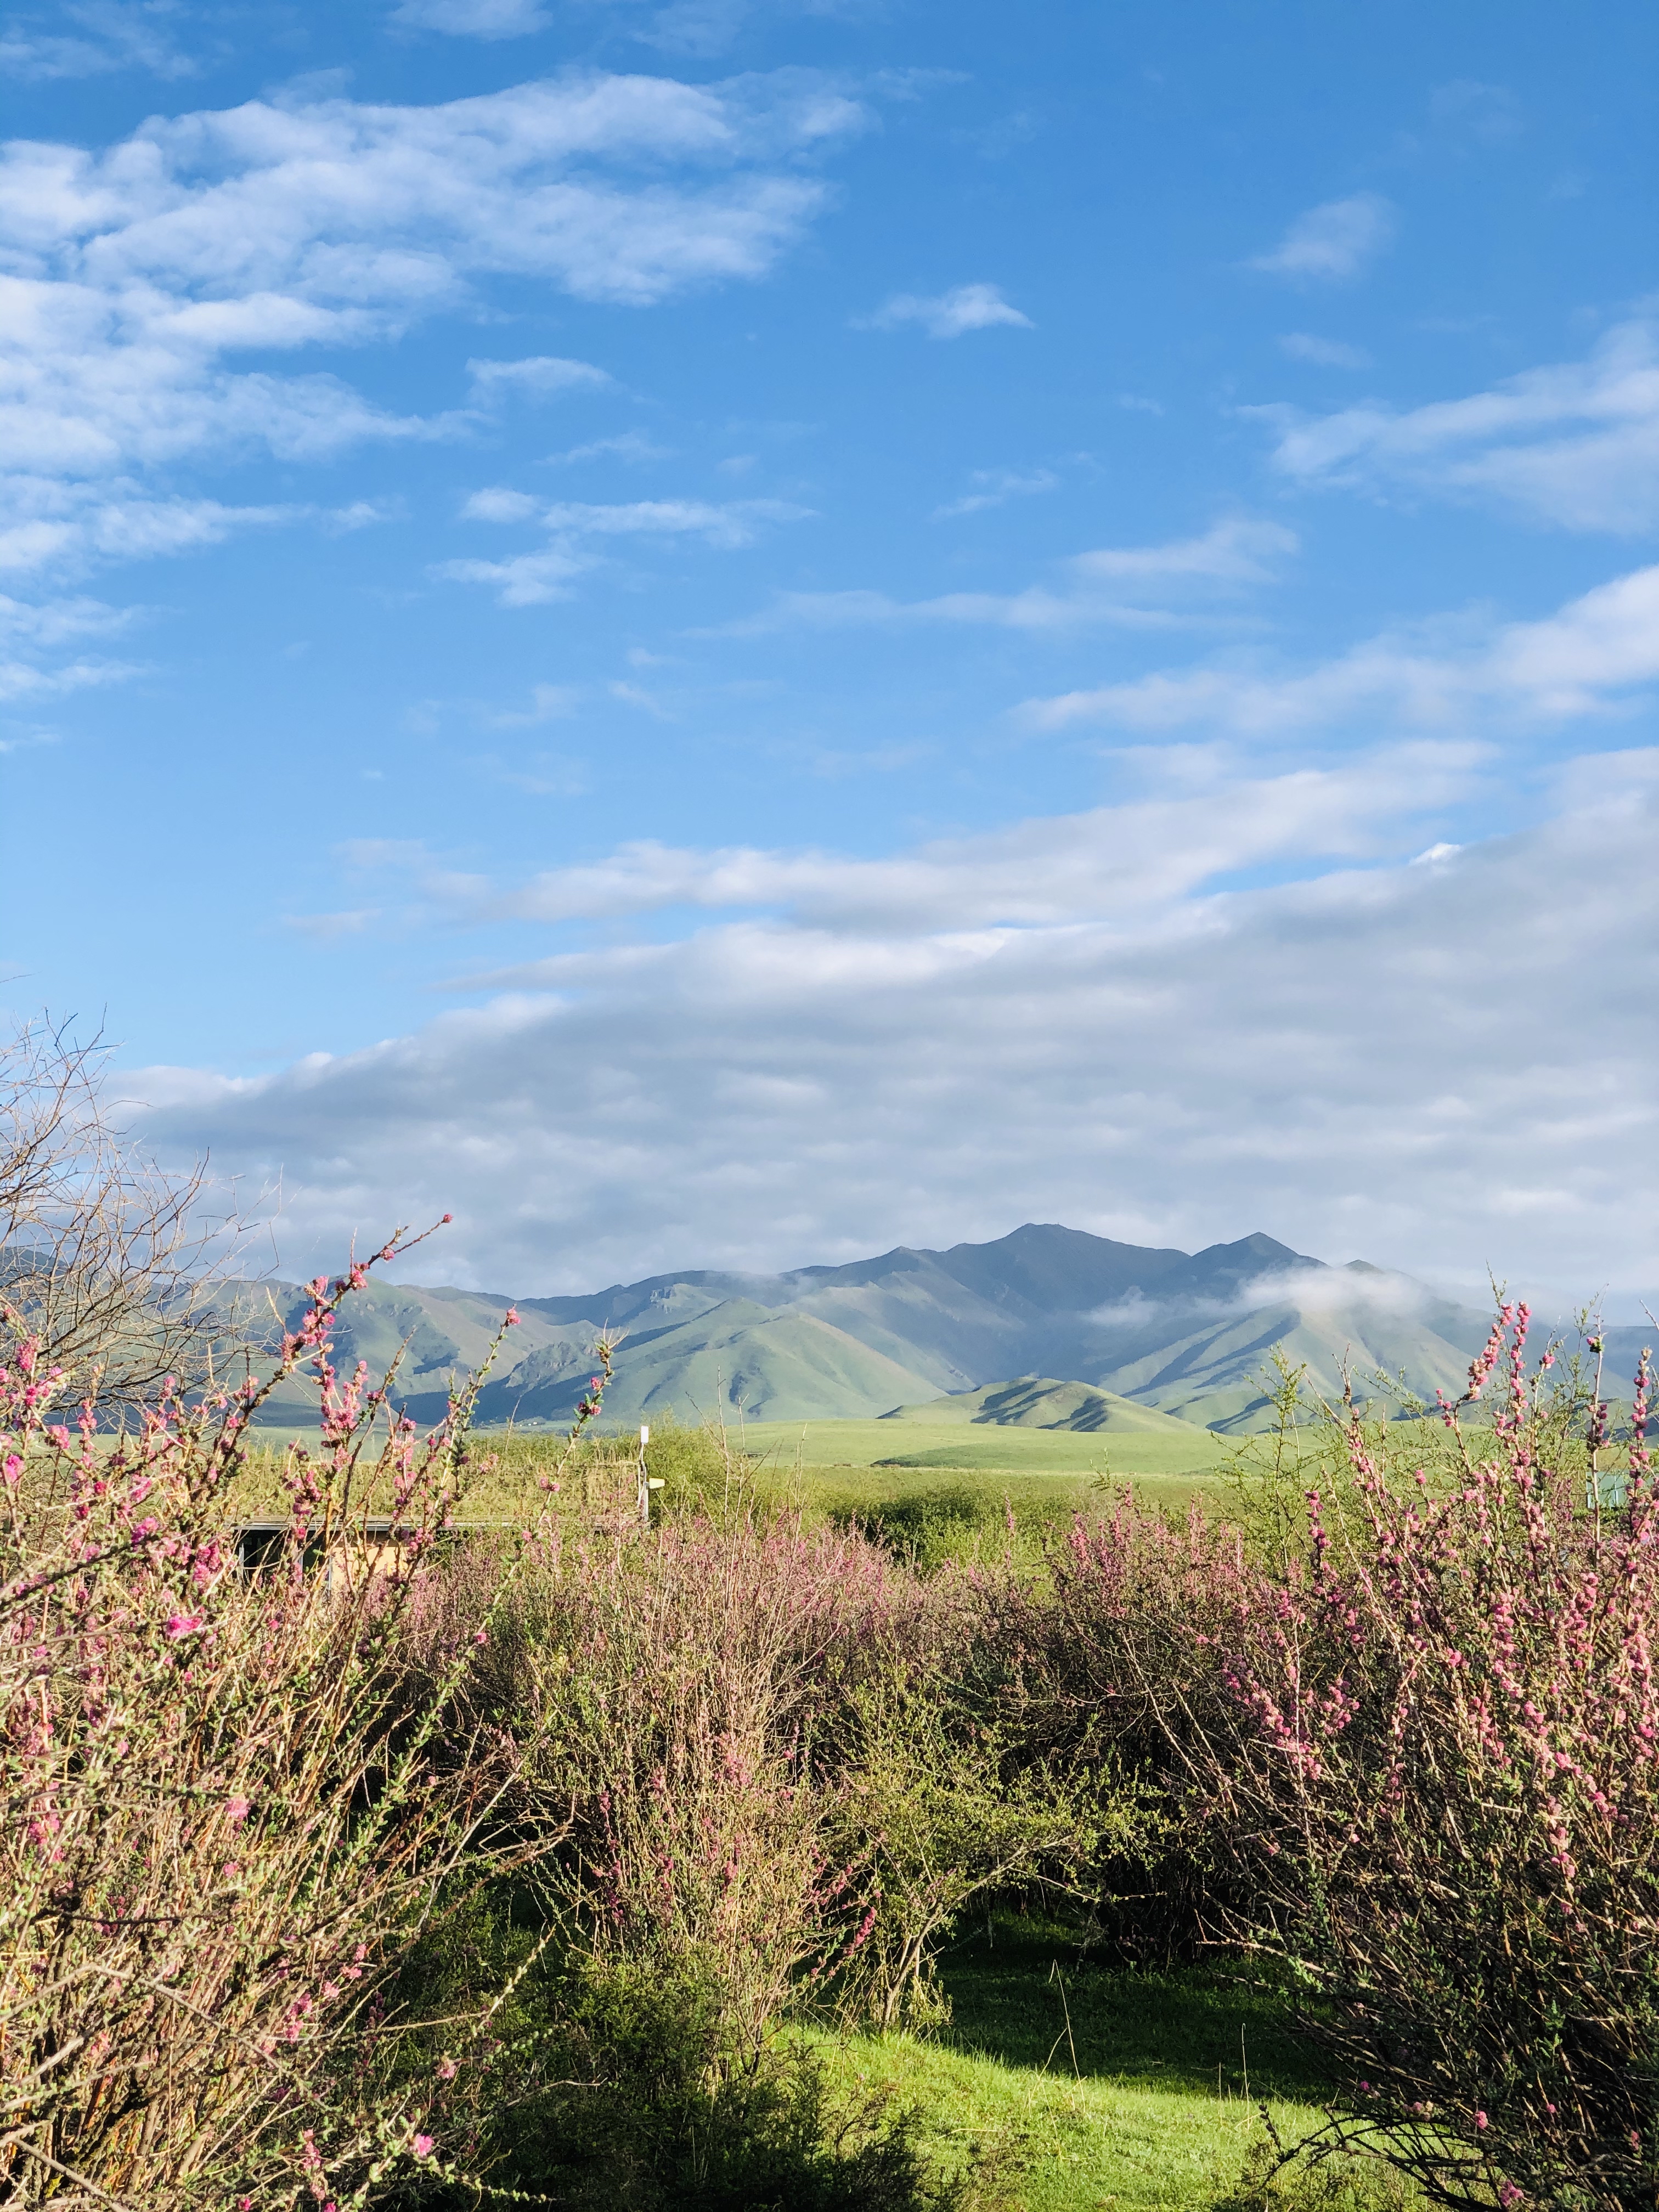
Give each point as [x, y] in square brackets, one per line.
[951, 1521]
[951, 1812]
[622, 2083]
[1346, 2182]
[658, 2106]
[703, 1470]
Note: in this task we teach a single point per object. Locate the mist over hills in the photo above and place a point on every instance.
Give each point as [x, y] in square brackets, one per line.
[1092, 1332]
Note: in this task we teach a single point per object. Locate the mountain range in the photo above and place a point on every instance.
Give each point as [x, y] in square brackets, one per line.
[1048, 1327]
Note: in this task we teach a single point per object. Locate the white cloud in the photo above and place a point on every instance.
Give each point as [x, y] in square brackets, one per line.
[107, 36]
[536, 579]
[948, 314]
[132, 279]
[1576, 443]
[473, 19]
[735, 522]
[526, 580]
[994, 487]
[1112, 584]
[1364, 1063]
[1582, 661]
[1323, 353]
[1332, 241]
[496, 503]
[33, 636]
[538, 378]
[1113, 860]
[631, 445]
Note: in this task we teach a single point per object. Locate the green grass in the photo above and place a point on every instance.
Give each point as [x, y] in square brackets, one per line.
[822, 1446]
[1141, 2104]
[966, 1478]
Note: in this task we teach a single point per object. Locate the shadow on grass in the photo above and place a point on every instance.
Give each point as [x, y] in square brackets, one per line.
[1024, 1998]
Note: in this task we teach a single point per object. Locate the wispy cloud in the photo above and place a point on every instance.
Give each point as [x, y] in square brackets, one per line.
[539, 377]
[330, 928]
[1576, 443]
[108, 35]
[994, 488]
[1334, 241]
[947, 314]
[549, 702]
[1323, 353]
[1481, 114]
[536, 579]
[631, 445]
[473, 19]
[1116, 860]
[1131, 585]
[133, 280]
[733, 522]
[1581, 661]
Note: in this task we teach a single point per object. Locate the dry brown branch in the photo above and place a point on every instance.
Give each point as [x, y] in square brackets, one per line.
[108, 1257]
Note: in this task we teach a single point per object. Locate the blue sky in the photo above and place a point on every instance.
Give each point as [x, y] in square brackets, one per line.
[736, 633]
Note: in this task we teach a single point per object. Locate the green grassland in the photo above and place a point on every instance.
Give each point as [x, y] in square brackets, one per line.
[825, 1469]
[821, 1447]
[1061, 2086]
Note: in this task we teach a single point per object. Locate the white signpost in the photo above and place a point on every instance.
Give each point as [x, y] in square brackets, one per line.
[647, 1482]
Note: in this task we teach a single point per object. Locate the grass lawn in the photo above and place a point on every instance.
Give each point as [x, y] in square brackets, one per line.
[821, 1447]
[1143, 2104]
[841, 1468]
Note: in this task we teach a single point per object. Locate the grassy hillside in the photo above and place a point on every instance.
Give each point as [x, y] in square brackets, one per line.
[740, 1355]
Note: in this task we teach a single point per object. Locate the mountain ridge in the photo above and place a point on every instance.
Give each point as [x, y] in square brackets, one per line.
[1182, 1336]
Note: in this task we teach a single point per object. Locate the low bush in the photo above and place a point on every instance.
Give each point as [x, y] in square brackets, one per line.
[929, 1526]
[630, 2090]
[1415, 1755]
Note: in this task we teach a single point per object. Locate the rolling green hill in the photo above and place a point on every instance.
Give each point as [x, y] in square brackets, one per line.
[1034, 1402]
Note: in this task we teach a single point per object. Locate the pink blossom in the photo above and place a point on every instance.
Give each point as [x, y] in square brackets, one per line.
[423, 2146]
[236, 1809]
[180, 1625]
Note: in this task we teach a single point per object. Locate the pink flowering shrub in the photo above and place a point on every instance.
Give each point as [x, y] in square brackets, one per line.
[683, 1692]
[230, 1803]
[1421, 1753]
[770, 1752]
[1109, 1667]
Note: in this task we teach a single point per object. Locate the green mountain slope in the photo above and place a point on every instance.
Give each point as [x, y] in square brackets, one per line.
[1137, 1334]
[787, 1366]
